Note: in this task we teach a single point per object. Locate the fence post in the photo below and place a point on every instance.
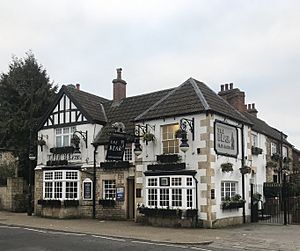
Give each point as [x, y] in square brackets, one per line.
[284, 195]
[252, 209]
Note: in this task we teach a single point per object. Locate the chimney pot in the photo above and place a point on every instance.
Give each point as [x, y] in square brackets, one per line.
[253, 105]
[119, 73]
[222, 88]
[249, 106]
[226, 87]
[78, 87]
[231, 86]
[119, 87]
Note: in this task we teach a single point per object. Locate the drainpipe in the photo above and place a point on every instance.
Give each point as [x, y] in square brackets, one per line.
[94, 182]
[196, 182]
[243, 175]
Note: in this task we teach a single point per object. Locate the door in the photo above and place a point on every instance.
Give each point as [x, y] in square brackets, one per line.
[130, 198]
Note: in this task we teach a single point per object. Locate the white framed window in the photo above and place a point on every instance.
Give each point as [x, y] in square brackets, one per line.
[63, 136]
[228, 189]
[254, 138]
[128, 154]
[170, 191]
[109, 189]
[273, 148]
[61, 184]
[284, 152]
[170, 144]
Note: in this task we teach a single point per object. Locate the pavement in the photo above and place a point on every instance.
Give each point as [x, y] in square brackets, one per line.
[255, 236]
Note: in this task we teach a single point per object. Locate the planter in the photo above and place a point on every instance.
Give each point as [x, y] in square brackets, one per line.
[245, 169]
[56, 163]
[62, 150]
[226, 167]
[271, 164]
[275, 157]
[50, 203]
[160, 212]
[75, 140]
[71, 203]
[107, 203]
[168, 158]
[190, 213]
[41, 142]
[232, 204]
[148, 137]
[256, 150]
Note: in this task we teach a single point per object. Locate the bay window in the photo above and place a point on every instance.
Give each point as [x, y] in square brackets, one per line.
[170, 192]
[61, 184]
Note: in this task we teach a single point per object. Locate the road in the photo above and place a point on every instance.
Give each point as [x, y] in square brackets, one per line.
[31, 239]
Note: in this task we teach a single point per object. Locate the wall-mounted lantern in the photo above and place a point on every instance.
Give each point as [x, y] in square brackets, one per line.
[184, 124]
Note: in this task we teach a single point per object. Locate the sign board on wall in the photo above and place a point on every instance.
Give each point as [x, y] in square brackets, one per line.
[120, 193]
[226, 139]
[116, 147]
[87, 189]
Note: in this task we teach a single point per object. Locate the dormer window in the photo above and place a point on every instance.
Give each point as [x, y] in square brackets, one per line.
[170, 143]
[63, 136]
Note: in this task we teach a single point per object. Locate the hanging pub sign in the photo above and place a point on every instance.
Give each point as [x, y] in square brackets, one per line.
[116, 147]
[226, 139]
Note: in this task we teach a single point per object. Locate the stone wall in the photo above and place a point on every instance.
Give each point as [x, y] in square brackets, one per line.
[12, 196]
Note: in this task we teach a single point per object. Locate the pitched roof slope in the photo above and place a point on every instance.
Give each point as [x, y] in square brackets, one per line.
[91, 104]
[262, 127]
[191, 97]
[126, 111]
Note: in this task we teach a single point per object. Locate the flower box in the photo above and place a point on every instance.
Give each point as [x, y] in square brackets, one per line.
[107, 203]
[62, 150]
[226, 167]
[50, 203]
[245, 169]
[190, 213]
[256, 150]
[168, 158]
[232, 205]
[71, 203]
[234, 202]
[160, 212]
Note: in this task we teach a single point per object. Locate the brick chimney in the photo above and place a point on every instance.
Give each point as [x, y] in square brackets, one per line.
[233, 96]
[252, 110]
[119, 87]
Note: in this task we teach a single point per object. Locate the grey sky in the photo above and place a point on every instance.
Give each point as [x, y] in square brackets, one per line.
[161, 43]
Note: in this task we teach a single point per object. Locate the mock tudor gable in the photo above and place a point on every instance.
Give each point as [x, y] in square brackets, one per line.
[73, 106]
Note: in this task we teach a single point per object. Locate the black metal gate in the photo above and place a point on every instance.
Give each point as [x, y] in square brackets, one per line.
[277, 203]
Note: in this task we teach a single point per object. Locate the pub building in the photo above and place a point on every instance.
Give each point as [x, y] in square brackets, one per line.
[175, 157]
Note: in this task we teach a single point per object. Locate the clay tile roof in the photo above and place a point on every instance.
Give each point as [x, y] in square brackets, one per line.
[126, 111]
[262, 127]
[91, 104]
[191, 97]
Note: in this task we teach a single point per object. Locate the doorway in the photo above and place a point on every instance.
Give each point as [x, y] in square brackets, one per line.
[130, 198]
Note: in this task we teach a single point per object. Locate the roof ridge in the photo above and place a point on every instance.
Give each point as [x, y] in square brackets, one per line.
[85, 92]
[199, 94]
[161, 100]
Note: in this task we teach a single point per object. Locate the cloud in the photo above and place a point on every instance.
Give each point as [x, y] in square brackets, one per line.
[160, 44]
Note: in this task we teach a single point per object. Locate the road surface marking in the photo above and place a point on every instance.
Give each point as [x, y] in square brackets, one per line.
[108, 238]
[35, 230]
